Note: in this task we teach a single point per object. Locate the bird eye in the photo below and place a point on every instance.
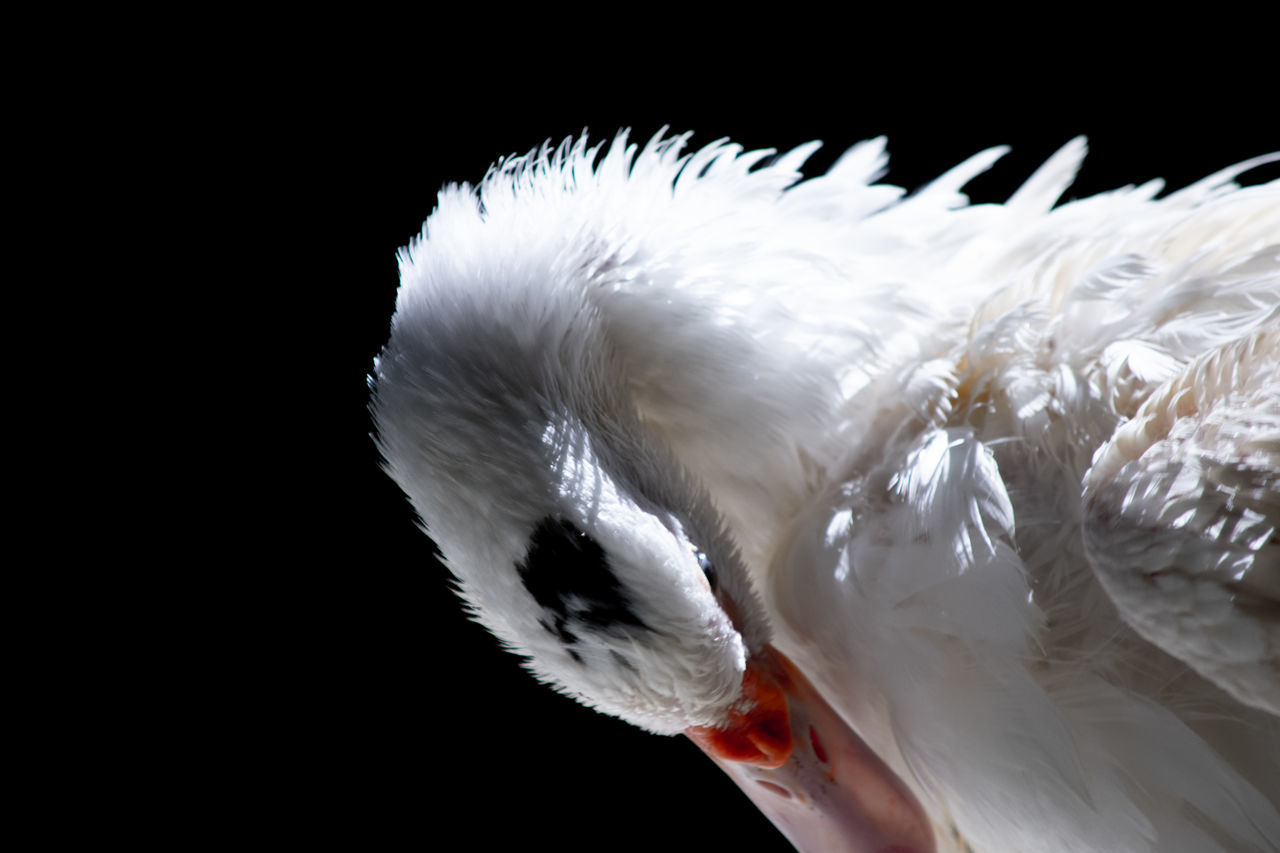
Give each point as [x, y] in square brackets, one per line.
[707, 569]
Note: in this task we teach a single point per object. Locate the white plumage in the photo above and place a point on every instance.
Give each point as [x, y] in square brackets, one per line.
[1003, 481]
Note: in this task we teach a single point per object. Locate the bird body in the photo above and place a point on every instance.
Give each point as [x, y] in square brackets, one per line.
[1001, 481]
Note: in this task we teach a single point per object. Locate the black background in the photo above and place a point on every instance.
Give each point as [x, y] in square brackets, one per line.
[379, 715]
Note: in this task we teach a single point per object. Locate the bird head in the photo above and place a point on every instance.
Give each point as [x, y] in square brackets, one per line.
[576, 536]
[507, 408]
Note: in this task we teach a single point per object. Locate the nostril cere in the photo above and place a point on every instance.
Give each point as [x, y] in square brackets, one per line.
[818, 748]
[777, 789]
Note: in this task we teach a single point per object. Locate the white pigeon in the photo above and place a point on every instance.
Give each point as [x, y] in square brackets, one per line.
[936, 525]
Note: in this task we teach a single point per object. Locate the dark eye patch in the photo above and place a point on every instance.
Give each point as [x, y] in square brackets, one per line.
[568, 574]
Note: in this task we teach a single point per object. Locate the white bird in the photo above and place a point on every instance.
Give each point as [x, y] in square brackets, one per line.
[936, 525]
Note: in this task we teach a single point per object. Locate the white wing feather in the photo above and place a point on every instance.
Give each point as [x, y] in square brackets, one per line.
[953, 552]
[1182, 513]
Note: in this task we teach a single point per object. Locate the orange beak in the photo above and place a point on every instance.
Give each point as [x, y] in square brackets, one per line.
[802, 765]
